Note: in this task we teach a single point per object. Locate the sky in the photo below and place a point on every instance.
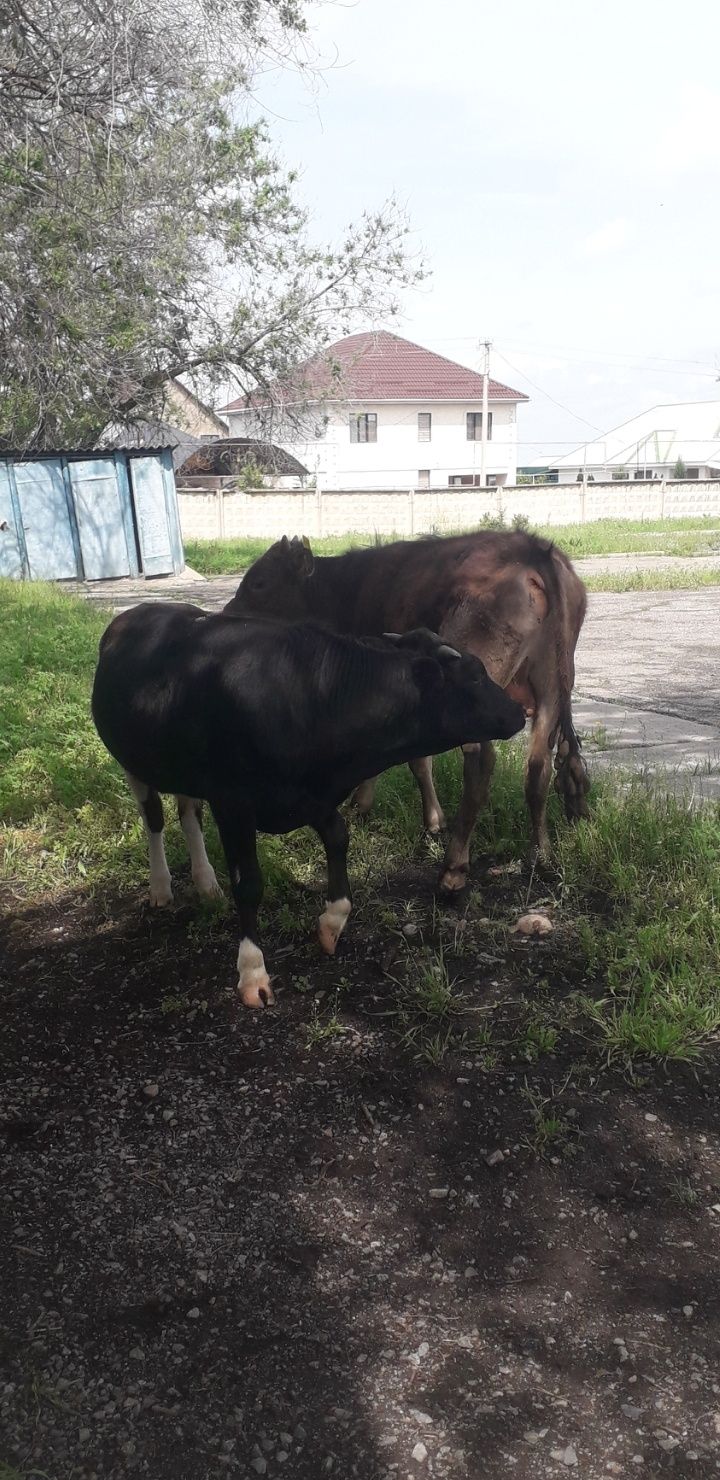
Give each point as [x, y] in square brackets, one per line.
[560, 163]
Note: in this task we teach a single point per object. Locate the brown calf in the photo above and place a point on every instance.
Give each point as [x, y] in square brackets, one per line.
[512, 599]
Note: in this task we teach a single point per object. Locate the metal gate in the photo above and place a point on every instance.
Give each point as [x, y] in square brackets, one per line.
[89, 517]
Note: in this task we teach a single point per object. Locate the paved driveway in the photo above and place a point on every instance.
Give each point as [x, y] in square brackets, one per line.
[648, 667]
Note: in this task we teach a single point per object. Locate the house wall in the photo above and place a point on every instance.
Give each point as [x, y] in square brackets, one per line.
[268, 514]
[396, 459]
[198, 420]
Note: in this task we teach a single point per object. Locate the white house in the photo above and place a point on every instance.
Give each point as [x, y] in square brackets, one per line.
[378, 412]
[681, 441]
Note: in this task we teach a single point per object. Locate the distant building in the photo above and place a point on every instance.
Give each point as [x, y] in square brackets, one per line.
[376, 411]
[681, 440]
[189, 412]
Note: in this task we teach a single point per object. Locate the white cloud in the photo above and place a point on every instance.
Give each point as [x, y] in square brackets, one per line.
[609, 238]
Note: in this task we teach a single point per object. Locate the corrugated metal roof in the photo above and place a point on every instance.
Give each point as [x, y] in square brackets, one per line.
[685, 430]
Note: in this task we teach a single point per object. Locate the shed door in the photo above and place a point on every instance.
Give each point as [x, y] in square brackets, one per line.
[152, 516]
[10, 560]
[99, 517]
[46, 520]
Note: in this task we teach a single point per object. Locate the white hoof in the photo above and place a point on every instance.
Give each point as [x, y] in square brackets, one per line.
[254, 983]
[205, 881]
[332, 923]
[160, 893]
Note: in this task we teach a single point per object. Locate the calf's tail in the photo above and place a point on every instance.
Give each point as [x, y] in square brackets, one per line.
[568, 604]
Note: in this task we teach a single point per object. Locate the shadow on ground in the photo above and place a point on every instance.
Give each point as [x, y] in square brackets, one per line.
[245, 1245]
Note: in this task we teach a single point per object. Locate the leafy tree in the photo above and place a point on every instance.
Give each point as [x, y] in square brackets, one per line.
[146, 228]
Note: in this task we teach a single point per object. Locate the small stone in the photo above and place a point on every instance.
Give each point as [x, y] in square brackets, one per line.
[651, 1118]
[259, 1465]
[668, 1444]
[471, 1273]
[194, 1313]
[420, 1452]
[565, 1456]
[84, 1435]
[286, 1440]
[281, 1456]
[631, 1410]
[688, 1311]
[532, 924]
[410, 929]
[419, 1416]
[494, 1159]
[638, 1459]
[151, 1091]
[137, 1354]
[439, 1193]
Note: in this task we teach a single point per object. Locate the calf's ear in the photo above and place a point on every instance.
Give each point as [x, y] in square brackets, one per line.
[302, 556]
[428, 675]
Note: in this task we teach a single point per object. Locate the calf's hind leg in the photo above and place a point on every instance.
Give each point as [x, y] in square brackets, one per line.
[236, 826]
[334, 834]
[190, 812]
[150, 808]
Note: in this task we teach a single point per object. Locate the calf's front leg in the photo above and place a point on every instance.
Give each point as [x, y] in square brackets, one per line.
[150, 808]
[334, 835]
[190, 812]
[236, 827]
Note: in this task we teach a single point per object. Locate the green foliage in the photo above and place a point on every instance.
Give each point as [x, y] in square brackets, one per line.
[133, 187]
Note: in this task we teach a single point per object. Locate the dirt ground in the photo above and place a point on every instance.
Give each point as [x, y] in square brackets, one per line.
[279, 1244]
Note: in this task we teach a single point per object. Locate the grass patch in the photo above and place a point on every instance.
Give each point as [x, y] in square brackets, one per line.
[688, 537]
[638, 886]
[685, 578]
[225, 557]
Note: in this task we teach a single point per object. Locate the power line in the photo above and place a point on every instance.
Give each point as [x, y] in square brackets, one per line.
[547, 395]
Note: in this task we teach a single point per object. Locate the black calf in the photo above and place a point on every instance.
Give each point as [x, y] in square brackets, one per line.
[274, 726]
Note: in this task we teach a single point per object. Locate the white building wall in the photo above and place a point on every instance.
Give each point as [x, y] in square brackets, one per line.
[398, 457]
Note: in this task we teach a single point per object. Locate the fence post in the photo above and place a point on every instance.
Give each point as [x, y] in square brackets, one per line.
[411, 511]
[221, 513]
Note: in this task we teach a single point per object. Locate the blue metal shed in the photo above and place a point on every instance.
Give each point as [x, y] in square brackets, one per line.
[89, 516]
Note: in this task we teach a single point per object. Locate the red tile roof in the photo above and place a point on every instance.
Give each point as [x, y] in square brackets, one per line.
[379, 366]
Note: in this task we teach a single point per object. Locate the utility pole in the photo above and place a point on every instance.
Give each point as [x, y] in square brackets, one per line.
[486, 379]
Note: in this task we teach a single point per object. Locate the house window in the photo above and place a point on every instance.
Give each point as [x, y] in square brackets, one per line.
[473, 422]
[643, 474]
[424, 426]
[461, 480]
[423, 478]
[363, 426]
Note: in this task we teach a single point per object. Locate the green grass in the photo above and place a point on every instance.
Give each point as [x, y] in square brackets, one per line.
[681, 579]
[688, 537]
[636, 889]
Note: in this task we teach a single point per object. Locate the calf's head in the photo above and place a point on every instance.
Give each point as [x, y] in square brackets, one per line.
[461, 699]
[277, 585]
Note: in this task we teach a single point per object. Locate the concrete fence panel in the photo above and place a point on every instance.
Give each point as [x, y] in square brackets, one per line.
[270, 513]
